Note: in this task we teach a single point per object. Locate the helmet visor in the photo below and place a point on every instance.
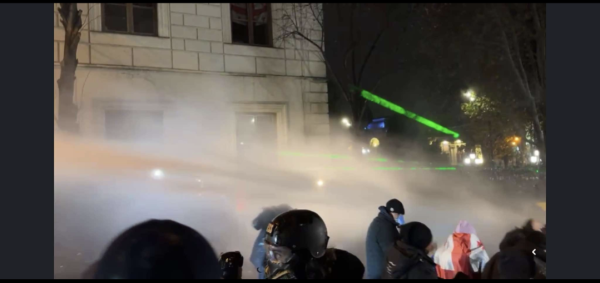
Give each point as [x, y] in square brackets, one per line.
[277, 254]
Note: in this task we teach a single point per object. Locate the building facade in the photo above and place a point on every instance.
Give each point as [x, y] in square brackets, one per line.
[194, 71]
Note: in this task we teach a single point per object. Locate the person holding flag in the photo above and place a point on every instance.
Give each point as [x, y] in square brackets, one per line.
[463, 253]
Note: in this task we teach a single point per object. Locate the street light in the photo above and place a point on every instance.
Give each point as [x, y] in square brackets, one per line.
[374, 142]
[157, 174]
[533, 159]
[346, 122]
[536, 153]
[469, 94]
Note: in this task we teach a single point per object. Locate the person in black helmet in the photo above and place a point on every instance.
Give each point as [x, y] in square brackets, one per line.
[382, 234]
[231, 265]
[260, 223]
[296, 248]
[158, 249]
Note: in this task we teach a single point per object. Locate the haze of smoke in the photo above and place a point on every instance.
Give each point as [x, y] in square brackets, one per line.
[102, 188]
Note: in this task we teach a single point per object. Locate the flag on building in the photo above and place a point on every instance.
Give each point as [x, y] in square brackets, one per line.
[239, 13]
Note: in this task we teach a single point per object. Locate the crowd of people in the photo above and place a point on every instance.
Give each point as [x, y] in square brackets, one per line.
[293, 244]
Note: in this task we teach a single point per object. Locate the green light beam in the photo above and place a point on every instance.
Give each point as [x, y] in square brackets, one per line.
[398, 109]
[389, 168]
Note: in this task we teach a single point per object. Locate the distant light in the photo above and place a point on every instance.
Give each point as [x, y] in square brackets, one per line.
[346, 122]
[478, 161]
[533, 159]
[472, 155]
[467, 161]
[536, 153]
[458, 141]
[514, 143]
[374, 142]
[199, 181]
[445, 142]
[253, 120]
[241, 143]
[157, 174]
[468, 94]
[320, 183]
[472, 99]
[365, 150]
[517, 139]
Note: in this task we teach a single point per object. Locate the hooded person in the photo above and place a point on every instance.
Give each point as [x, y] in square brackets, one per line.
[158, 249]
[408, 258]
[516, 260]
[260, 223]
[463, 253]
[382, 234]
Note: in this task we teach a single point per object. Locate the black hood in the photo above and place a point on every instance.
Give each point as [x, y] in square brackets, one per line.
[159, 249]
[407, 257]
[519, 235]
[262, 220]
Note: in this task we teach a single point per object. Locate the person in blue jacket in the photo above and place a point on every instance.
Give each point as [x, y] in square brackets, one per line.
[260, 223]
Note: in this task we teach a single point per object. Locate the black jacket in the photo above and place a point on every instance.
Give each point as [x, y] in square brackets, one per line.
[407, 262]
[335, 264]
[381, 236]
[515, 259]
[346, 266]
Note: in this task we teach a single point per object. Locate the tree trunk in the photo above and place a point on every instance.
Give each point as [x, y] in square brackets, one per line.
[67, 110]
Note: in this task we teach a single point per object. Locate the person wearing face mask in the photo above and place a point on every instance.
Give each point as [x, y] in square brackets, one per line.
[382, 234]
[260, 223]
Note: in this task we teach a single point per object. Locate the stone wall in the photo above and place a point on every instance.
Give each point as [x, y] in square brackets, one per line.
[192, 62]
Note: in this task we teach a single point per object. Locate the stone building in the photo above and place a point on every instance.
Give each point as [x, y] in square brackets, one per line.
[196, 72]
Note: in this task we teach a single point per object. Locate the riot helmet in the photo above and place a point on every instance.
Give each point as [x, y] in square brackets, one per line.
[294, 232]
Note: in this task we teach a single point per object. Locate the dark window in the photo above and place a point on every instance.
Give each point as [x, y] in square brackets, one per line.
[134, 18]
[251, 23]
[139, 126]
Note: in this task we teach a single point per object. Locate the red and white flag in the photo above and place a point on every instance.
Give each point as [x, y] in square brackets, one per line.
[463, 252]
[239, 13]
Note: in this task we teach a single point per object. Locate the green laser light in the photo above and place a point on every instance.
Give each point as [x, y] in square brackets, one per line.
[398, 109]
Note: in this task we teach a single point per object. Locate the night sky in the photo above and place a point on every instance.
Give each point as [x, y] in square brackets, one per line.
[426, 57]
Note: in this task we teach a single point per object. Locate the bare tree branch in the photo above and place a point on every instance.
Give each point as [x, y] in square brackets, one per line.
[315, 16]
[368, 56]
